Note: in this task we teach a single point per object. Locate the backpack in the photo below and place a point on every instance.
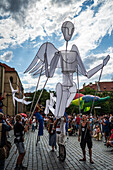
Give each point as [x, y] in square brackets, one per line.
[4, 151]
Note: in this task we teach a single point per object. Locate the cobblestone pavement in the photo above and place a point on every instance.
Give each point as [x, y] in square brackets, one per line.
[40, 158]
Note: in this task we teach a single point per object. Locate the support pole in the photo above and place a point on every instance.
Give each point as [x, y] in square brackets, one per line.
[96, 92]
[78, 89]
[35, 91]
[39, 98]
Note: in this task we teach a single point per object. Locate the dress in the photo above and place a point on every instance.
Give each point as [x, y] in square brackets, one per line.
[85, 137]
[52, 136]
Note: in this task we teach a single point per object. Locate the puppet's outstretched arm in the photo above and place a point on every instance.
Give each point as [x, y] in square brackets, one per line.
[81, 67]
[97, 68]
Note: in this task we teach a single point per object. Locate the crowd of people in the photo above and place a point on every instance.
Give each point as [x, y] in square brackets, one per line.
[85, 127]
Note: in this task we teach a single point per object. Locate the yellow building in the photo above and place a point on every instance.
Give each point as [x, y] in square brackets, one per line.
[7, 73]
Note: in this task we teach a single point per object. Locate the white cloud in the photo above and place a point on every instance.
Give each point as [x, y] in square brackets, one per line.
[44, 19]
[7, 56]
[29, 81]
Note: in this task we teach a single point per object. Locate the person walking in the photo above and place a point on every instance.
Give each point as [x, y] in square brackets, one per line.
[33, 124]
[77, 122]
[84, 133]
[52, 134]
[106, 128]
[19, 131]
[4, 127]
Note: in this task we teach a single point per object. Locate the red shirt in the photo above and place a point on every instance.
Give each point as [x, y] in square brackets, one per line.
[78, 120]
[111, 136]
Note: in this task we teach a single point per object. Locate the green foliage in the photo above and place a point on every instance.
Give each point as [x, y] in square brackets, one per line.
[106, 107]
[42, 101]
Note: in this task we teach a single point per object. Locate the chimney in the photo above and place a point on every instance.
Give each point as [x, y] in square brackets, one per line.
[90, 84]
[84, 85]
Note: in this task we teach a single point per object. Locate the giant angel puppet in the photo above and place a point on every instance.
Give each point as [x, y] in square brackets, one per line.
[48, 58]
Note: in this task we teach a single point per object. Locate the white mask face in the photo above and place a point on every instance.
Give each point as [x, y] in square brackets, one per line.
[67, 30]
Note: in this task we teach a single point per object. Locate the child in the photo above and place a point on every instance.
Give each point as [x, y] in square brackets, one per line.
[97, 133]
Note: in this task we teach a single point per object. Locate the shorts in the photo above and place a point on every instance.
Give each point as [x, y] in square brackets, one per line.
[106, 133]
[20, 147]
[83, 143]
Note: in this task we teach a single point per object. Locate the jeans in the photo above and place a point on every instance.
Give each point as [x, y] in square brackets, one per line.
[2, 164]
[33, 128]
[77, 126]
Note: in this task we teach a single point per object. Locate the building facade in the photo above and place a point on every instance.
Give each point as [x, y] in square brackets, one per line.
[7, 73]
[101, 86]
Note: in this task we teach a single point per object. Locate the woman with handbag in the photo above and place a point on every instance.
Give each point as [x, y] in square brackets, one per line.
[4, 144]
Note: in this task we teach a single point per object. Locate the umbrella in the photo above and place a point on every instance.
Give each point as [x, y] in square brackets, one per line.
[23, 114]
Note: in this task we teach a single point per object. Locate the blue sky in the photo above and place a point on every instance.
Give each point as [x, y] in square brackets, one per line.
[26, 25]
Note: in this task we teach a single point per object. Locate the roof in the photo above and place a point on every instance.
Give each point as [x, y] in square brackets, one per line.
[103, 86]
[7, 68]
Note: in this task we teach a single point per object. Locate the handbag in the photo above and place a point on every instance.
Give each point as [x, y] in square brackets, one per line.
[5, 150]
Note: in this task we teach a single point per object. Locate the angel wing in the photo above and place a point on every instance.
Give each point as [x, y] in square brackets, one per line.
[18, 100]
[81, 67]
[43, 58]
[26, 102]
[13, 92]
[22, 100]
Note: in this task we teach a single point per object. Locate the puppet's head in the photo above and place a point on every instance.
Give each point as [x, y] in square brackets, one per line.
[67, 30]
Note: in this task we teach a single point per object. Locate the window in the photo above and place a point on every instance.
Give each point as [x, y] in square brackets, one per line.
[11, 79]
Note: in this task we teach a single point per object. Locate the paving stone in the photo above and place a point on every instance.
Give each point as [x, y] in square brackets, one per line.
[40, 158]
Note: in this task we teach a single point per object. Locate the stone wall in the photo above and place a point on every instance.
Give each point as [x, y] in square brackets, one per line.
[8, 101]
